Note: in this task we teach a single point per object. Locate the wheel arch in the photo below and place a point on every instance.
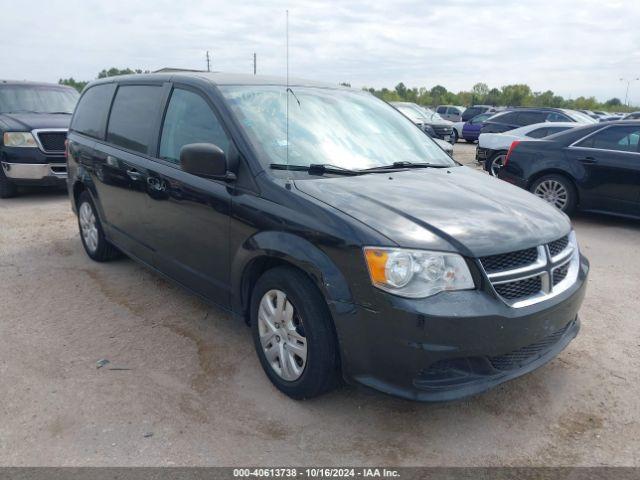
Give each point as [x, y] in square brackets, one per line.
[270, 249]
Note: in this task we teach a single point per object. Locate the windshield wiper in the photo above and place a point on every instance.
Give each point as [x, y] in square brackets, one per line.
[397, 165]
[316, 168]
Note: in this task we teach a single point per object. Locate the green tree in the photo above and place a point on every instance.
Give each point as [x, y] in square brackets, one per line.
[71, 82]
[113, 72]
[515, 95]
[479, 93]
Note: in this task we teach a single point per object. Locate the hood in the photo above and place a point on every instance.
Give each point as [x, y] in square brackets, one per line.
[30, 121]
[456, 209]
[439, 123]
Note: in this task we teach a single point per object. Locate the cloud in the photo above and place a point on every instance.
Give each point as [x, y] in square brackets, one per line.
[575, 48]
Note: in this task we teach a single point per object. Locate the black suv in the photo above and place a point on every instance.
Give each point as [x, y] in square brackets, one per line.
[34, 118]
[353, 245]
[522, 116]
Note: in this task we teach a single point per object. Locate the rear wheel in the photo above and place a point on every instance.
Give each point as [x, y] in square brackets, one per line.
[556, 190]
[293, 334]
[91, 233]
[495, 163]
[7, 189]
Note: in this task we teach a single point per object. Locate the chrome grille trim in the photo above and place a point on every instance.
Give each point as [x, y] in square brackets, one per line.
[543, 268]
[36, 134]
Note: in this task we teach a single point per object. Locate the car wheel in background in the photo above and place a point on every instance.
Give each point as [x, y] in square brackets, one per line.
[7, 189]
[454, 136]
[91, 233]
[495, 163]
[469, 141]
[556, 190]
[293, 334]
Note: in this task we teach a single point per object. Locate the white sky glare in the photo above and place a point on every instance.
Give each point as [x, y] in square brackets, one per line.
[574, 48]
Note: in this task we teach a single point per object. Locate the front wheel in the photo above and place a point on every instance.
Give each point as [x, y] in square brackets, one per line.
[556, 190]
[495, 163]
[293, 334]
[454, 137]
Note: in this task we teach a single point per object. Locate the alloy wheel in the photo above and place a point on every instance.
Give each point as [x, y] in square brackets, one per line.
[88, 227]
[496, 165]
[553, 192]
[282, 335]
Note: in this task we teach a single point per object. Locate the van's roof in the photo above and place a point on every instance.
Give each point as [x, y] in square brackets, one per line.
[219, 78]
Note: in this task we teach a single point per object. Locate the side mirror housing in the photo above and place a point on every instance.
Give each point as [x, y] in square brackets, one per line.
[205, 160]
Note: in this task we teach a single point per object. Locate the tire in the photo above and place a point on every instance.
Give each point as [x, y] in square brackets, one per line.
[309, 324]
[557, 190]
[454, 137]
[91, 232]
[469, 141]
[494, 163]
[7, 189]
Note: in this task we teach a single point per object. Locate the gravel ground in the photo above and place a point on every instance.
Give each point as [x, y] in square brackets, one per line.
[187, 388]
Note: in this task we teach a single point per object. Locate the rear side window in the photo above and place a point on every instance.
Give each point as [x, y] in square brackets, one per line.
[558, 117]
[90, 117]
[442, 110]
[133, 115]
[624, 139]
[538, 133]
[189, 119]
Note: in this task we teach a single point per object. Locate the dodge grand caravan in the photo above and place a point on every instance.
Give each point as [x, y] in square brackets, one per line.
[34, 118]
[354, 247]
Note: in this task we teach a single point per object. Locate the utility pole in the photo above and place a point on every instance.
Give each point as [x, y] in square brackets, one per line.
[208, 62]
[626, 94]
[254, 63]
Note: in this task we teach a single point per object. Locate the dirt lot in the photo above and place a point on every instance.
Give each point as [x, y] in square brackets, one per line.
[193, 392]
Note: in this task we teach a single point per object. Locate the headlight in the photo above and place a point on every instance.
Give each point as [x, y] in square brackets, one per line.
[416, 273]
[19, 139]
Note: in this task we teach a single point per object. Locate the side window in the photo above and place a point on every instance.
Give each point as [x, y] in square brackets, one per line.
[509, 118]
[624, 139]
[90, 117]
[133, 115]
[538, 133]
[527, 118]
[552, 130]
[442, 110]
[189, 119]
[558, 117]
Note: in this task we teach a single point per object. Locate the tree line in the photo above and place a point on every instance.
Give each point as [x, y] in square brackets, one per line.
[508, 95]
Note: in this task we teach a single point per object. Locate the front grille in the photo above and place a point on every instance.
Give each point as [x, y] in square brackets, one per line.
[527, 354]
[509, 261]
[52, 141]
[557, 246]
[443, 130]
[560, 273]
[519, 288]
[528, 276]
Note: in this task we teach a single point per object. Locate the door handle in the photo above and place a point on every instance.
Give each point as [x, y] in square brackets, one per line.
[587, 160]
[134, 174]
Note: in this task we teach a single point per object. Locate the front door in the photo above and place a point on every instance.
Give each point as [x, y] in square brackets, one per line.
[188, 216]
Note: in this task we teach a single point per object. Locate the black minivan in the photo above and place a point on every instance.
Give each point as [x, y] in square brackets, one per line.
[354, 246]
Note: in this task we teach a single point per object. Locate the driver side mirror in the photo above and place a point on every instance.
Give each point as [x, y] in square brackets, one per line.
[205, 160]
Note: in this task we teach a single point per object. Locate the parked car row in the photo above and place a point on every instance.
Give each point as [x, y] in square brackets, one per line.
[353, 245]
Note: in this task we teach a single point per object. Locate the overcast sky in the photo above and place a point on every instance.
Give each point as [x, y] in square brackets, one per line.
[574, 48]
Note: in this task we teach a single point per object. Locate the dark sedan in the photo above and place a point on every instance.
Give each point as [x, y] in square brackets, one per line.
[592, 168]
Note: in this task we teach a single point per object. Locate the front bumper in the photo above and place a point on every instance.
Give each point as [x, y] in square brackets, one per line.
[31, 166]
[482, 154]
[455, 344]
[35, 171]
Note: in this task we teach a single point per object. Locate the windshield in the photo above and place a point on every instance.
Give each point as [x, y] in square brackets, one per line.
[345, 128]
[37, 99]
[430, 114]
[580, 117]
